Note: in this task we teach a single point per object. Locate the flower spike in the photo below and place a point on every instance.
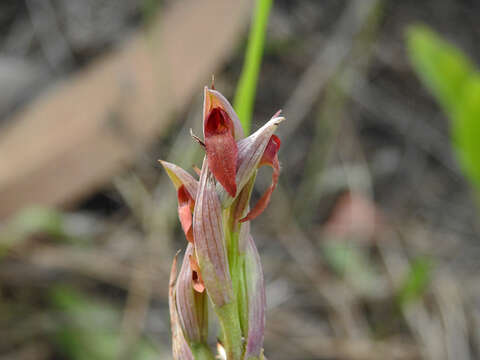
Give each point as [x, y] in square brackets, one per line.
[221, 261]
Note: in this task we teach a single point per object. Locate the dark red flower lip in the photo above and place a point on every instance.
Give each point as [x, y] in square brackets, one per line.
[214, 99]
[221, 147]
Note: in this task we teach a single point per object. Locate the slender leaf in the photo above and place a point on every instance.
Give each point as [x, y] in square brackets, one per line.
[245, 94]
[455, 83]
[416, 282]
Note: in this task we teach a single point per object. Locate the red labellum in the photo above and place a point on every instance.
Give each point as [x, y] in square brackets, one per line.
[185, 209]
[270, 158]
[197, 280]
[270, 151]
[222, 151]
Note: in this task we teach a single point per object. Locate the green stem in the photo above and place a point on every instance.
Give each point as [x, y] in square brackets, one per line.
[232, 334]
[242, 301]
[201, 352]
[245, 94]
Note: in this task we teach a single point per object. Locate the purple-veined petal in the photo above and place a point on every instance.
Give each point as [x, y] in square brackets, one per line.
[209, 237]
[256, 301]
[191, 305]
[180, 348]
[186, 187]
[250, 152]
[180, 177]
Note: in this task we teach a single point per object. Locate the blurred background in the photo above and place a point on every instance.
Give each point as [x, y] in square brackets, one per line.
[370, 245]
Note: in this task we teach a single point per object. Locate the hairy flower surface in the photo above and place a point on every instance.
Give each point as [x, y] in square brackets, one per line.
[221, 261]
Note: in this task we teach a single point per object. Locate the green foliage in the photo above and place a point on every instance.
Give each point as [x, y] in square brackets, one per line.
[149, 10]
[352, 263]
[87, 326]
[38, 219]
[416, 282]
[245, 94]
[455, 83]
[90, 329]
[31, 221]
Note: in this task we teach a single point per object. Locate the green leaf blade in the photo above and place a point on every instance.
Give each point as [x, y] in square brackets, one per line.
[455, 83]
[247, 85]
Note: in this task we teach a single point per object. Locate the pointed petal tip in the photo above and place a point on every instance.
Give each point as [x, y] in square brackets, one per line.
[278, 119]
[270, 125]
[166, 165]
[180, 177]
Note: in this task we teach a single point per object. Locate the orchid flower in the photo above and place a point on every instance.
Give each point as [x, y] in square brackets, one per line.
[221, 261]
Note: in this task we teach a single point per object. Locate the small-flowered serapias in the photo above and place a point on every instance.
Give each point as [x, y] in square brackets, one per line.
[221, 261]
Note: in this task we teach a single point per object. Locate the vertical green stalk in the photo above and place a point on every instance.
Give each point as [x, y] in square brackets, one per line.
[242, 301]
[245, 94]
[229, 314]
[232, 334]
